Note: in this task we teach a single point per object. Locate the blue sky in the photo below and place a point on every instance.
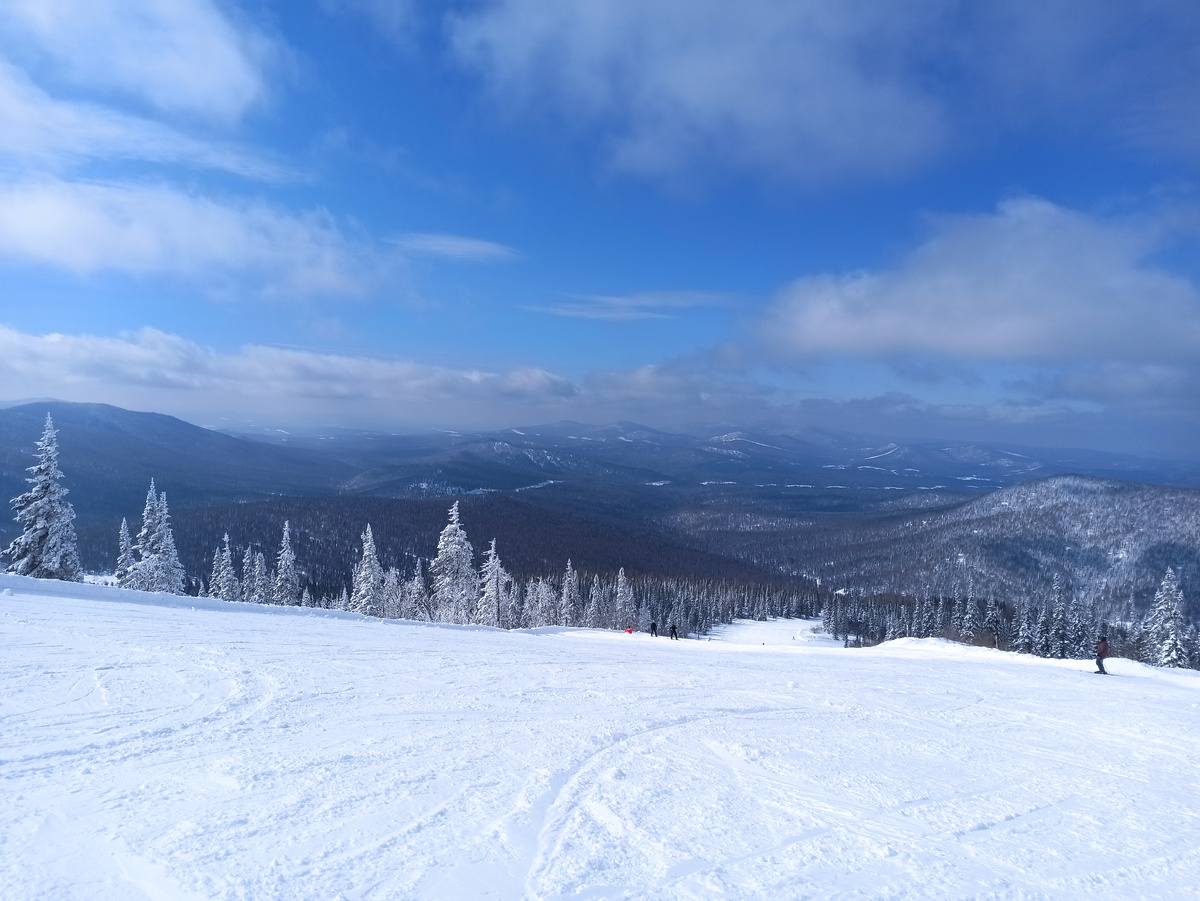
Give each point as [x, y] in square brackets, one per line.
[936, 219]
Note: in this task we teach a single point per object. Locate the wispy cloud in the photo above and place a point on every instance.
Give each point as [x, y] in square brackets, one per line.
[179, 56]
[172, 373]
[159, 230]
[39, 130]
[456, 247]
[651, 305]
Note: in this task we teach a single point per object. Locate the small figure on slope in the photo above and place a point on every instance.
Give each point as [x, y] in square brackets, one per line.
[1101, 653]
[674, 634]
[654, 630]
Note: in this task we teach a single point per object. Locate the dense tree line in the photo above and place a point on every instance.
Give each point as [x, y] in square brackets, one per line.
[454, 588]
[1059, 626]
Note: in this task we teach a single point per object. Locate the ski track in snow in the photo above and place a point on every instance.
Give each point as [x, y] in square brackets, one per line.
[171, 748]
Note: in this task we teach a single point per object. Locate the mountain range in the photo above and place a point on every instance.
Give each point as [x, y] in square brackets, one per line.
[872, 514]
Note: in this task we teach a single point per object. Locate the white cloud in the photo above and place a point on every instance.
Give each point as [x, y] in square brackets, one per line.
[456, 247]
[158, 230]
[802, 88]
[1032, 281]
[167, 372]
[650, 305]
[810, 90]
[56, 134]
[180, 56]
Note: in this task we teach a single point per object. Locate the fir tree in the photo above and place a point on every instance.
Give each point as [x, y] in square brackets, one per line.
[287, 577]
[223, 583]
[1166, 626]
[568, 607]
[47, 548]
[495, 584]
[626, 613]
[126, 561]
[158, 567]
[368, 578]
[168, 572]
[415, 602]
[455, 581]
[992, 622]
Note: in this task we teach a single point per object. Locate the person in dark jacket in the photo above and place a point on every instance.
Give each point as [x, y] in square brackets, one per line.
[1101, 653]
[674, 634]
[654, 630]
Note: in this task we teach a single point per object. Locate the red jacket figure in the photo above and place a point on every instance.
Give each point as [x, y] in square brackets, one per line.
[1101, 653]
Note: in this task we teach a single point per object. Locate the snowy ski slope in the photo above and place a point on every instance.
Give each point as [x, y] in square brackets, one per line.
[172, 748]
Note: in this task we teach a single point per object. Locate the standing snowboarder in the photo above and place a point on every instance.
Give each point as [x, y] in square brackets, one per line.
[674, 634]
[654, 630]
[1101, 653]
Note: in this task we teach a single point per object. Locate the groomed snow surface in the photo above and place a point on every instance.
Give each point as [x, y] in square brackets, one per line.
[173, 748]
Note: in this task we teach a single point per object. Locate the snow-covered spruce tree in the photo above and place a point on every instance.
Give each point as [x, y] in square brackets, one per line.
[368, 578]
[47, 548]
[126, 560]
[541, 604]
[157, 567]
[223, 583]
[1026, 628]
[495, 585]
[568, 601]
[455, 581]
[1059, 644]
[391, 596]
[287, 577]
[1166, 626]
[170, 575]
[264, 580]
[993, 624]
[1043, 643]
[968, 626]
[415, 602]
[626, 614]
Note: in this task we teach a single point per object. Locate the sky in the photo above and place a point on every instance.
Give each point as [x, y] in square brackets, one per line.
[930, 220]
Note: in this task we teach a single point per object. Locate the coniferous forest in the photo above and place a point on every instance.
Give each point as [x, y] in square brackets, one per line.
[1048, 600]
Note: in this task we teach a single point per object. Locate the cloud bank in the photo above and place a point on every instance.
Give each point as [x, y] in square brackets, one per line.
[810, 90]
[1032, 281]
[160, 230]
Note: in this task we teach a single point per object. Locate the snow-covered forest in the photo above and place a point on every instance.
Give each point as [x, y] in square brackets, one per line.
[454, 587]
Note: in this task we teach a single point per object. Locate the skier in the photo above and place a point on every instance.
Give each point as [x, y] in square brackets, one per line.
[654, 630]
[674, 634]
[1101, 653]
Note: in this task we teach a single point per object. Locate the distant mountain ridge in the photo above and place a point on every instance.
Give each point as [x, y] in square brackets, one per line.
[869, 515]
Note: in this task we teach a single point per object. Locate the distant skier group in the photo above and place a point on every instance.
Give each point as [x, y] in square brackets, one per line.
[654, 631]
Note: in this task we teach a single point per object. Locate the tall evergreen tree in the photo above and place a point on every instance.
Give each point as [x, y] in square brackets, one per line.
[126, 560]
[287, 577]
[47, 548]
[415, 601]
[455, 581]
[368, 578]
[495, 583]
[223, 583]
[992, 622]
[1166, 626]
[158, 567]
[626, 613]
[568, 607]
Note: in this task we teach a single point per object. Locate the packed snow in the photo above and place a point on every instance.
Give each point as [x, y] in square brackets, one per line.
[175, 748]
